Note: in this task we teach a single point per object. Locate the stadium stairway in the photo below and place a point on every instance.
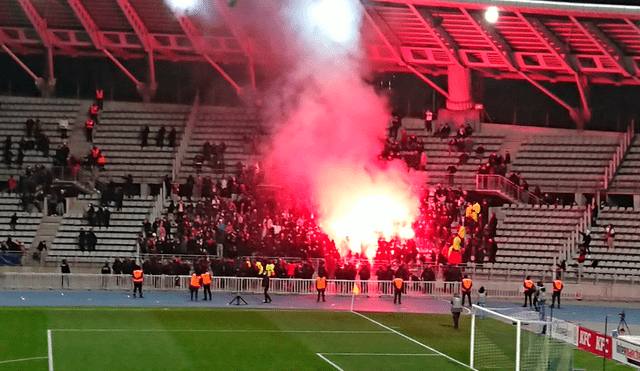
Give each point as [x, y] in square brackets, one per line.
[118, 136]
[233, 126]
[530, 238]
[14, 112]
[119, 240]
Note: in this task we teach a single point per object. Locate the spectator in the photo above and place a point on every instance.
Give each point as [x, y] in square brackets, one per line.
[82, 240]
[13, 222]
[172, 137]
[92, 240]
[64, 128]
[144, 136]
[610, 235]
[160, 137]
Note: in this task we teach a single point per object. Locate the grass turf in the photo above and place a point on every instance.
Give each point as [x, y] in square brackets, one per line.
[228, 339]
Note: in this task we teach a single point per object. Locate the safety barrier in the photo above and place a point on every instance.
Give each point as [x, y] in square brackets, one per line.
[294, 286]
[248, 285]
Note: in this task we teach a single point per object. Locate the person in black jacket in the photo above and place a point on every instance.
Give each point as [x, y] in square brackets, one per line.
[64, 269]
[586, 240]
[265, 285]
[160, 137]
[104, 271]
[428, 277]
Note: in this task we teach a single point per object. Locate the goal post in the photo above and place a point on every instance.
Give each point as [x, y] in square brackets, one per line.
[515, 339]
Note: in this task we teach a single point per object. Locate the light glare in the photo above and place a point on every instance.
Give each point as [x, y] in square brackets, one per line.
[183, 5]
[492, 14]
[336, 19]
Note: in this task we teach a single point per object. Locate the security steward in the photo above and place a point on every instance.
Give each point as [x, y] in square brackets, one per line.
[206, 284]
[529, 289]
[467, 283]
[321, 285]
[138, 279]
[194, 285]
[557, 290]
[397, 286]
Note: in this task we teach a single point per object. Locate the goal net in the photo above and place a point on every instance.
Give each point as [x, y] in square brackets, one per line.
[515, 339]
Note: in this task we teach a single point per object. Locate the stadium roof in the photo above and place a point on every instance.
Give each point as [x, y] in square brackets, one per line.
[532, 40]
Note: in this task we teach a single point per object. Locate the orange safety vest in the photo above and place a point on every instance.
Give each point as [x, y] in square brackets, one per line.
[102, 160]
[528, 284]
[557, 285]
[99, 94]
[95, 153]
[321, 283]
[138, 276]
[466, 284]
[398, 283]
[206, 278]
[195, 281]
[89, 124]
[94, 110]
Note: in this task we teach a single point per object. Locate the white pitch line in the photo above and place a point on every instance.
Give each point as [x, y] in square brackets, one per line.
[225, 330]
[381, 354]
[413, 340]
[329, 362]
[23, 359]
[50, 349]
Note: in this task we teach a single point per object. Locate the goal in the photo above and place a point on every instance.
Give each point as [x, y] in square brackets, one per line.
[515, 339]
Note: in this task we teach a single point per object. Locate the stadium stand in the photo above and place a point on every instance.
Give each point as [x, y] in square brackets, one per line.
[567, 163]
[530, 237]
[627, 178]
[623, 260]
[233, 126]
[27, 225]
[119, 240]
[439, 158]
[118, 136]
[13, 116]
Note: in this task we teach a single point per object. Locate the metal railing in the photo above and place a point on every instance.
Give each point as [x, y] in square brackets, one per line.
[83, 177]
[186, 136]
[505, 186]
[253, 285]
[614, 163]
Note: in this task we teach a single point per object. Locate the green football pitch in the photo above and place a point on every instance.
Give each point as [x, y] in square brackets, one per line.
[174, 339]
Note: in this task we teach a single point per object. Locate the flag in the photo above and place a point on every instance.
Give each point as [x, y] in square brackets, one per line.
[356, 290]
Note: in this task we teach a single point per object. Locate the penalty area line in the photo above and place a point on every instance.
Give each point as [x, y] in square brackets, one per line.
[22, 359]
[329, 362]
[413, 340]
[383, 354]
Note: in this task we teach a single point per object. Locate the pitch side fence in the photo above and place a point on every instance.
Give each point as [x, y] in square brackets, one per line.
[253, 285]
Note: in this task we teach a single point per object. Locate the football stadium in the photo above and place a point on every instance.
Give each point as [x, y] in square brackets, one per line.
[319, 185]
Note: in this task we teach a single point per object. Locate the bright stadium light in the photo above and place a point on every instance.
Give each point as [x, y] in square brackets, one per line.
[183, 5]
[336, 19]
[492, 14]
